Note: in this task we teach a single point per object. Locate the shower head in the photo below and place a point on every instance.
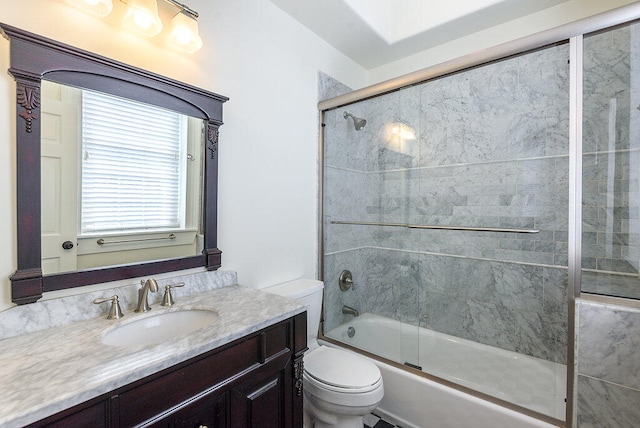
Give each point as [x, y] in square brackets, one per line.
[358, 122]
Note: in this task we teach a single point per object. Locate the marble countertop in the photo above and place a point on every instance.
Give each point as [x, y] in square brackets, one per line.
[48, 371]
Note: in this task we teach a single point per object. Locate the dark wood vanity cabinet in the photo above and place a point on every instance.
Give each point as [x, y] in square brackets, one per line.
[210, 411]
[255, 381]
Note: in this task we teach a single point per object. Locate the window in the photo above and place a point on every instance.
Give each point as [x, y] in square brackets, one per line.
[133, 166]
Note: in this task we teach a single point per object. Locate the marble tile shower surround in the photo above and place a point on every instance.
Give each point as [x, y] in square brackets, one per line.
[350, 198]
[612, 284]
[328, 87]
[513, 306]
[458, 195]
[491, 150]
[478, 160]
[608, 340]
[607, 344]
[46, 314]
[611, 154]
[608, 366]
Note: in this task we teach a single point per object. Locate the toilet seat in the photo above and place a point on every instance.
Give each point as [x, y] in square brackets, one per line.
[339, 386]
[318, 383]
[341, 371]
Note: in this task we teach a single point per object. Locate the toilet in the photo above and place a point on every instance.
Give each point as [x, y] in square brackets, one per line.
[340, 387]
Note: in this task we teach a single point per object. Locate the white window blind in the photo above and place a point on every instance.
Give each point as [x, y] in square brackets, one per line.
[132, 178]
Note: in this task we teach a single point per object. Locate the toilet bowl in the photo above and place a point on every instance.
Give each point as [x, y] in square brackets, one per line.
[340, 386]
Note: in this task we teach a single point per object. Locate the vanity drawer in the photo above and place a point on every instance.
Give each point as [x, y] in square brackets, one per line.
[146, 400]
[275, 340]
[93, 416]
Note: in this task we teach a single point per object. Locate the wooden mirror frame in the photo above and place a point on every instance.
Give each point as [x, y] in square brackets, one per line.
[33, 58]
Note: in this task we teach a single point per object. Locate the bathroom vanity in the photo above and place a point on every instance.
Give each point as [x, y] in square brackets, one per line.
[247, 383]
[244, 369]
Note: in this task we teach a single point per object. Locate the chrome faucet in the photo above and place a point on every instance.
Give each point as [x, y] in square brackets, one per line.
[350, 311]
[143, 293]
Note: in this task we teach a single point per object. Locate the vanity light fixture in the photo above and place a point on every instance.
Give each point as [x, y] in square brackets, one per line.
[142, 17]
[184, 32]
[99, 8]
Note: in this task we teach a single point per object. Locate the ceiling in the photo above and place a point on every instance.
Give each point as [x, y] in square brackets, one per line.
[376, 32]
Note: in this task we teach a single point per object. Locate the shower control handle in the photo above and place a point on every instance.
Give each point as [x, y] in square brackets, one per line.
[346, 280]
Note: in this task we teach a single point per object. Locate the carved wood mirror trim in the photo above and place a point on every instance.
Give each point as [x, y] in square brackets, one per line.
[33, 58]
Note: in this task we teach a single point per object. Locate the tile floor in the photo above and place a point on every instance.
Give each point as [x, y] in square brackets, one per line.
[373, 421]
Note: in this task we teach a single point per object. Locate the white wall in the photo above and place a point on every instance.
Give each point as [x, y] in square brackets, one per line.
[267, 64]
[569, 11]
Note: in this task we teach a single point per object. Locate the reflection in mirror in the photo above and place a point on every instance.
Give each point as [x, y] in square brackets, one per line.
[33, 59]
[121, 181]
[611, 163]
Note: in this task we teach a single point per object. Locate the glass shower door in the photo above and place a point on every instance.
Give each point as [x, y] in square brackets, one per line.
[611, 163]
[450, 209]
[369, 179]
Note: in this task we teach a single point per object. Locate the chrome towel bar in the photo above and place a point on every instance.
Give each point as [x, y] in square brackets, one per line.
[418, 226]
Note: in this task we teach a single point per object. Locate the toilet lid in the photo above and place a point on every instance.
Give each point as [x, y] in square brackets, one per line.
[341, 369]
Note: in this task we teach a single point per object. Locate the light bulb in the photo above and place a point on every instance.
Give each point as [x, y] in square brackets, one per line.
[142, 17]
[184, 33]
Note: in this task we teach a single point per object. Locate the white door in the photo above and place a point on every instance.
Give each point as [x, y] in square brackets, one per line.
[59, 163]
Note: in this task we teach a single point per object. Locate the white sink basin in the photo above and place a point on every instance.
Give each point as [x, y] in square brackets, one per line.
[159, 328]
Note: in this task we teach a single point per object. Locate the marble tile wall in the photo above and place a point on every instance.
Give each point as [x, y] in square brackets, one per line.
[513, 306]
[608, 339]
[608, 381]
[611, 147]
[328, 87]
[486, 147]
[334, 298]
[345, 170]
[491, 150]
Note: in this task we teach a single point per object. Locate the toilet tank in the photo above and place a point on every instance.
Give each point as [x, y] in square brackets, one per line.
[306, 292]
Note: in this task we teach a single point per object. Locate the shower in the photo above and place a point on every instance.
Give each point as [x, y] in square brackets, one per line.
[456, 228]
[358, 122]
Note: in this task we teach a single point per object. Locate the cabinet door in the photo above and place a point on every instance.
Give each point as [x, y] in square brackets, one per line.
[260, 403]
[206, 412]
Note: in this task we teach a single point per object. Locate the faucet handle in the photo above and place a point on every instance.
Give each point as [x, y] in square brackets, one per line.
[345, 281]
[114, 312]
[167, 299]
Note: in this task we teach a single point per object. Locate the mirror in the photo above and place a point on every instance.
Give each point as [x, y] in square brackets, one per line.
[96, 169]
[34, 59]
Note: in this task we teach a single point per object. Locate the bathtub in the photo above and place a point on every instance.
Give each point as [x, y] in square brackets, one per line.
[414, 401]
